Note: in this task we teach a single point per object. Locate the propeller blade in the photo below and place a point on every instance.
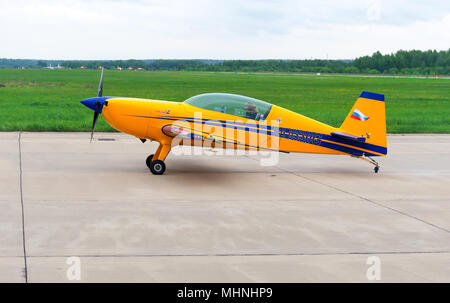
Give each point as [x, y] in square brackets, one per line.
[93, 124]
[100, 86]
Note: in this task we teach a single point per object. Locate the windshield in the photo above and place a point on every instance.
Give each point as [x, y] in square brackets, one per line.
[236, 105]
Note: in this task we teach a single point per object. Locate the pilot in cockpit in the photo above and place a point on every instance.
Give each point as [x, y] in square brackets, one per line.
[251, 111]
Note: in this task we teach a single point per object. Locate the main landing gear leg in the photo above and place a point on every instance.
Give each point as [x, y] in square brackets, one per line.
[371, 161]
[156, 162]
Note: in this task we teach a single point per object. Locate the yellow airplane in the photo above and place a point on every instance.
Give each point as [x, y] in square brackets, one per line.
[219, 120]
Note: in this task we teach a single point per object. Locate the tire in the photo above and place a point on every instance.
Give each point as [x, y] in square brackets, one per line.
[149, 161]
[157, 167]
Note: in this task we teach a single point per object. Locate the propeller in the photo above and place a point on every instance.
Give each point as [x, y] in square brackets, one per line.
[100, 86]
[98, 105]
[93, 124]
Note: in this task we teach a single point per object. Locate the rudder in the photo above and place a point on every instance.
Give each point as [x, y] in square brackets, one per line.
[367, 118]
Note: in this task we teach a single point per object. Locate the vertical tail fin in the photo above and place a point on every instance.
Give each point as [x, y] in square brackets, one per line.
[367, 119]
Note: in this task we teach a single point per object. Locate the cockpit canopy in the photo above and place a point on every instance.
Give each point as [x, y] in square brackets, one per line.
[236, 105]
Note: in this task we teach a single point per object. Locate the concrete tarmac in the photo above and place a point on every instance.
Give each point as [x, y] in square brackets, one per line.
[220, 218]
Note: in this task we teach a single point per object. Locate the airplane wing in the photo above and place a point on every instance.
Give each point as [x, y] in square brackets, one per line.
[174, 130]
[185, 131]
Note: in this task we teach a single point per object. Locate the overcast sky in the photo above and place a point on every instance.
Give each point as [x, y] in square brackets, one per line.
[219, 29]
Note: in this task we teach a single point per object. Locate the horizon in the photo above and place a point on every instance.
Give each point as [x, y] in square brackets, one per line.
[216, 59]
[174, 59]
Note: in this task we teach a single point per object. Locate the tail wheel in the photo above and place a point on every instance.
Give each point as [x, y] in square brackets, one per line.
[157, 167]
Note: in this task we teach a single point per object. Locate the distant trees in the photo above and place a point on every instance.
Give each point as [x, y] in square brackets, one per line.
[428, 62]
[107, 64]
[403, 62]
[41, 63]
[17, 63]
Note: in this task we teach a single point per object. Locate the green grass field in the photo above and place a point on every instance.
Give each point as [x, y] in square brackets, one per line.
[49, 100]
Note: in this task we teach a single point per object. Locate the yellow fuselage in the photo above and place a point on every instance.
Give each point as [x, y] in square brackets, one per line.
[293, 132]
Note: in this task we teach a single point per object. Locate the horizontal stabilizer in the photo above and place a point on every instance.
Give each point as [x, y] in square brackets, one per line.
[347, 136]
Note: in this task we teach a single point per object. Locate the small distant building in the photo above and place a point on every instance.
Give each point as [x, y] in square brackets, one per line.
[130, 68]
[140, 68]
[119, 68]
[82, 67]
[54, 67]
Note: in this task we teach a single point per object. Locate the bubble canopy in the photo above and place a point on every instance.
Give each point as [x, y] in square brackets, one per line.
[237, 105]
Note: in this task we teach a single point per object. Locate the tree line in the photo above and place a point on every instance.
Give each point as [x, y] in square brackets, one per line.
[402, 62]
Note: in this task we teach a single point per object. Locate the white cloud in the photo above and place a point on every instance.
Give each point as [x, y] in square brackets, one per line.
[115, 29]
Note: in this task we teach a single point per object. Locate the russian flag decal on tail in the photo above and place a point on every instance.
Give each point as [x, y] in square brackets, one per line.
[359, 115]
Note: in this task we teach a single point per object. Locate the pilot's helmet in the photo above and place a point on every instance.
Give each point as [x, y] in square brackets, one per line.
[250, 106]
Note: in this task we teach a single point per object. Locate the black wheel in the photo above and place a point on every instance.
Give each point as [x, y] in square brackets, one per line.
[376, 168]
[157, 167]
[149, 161]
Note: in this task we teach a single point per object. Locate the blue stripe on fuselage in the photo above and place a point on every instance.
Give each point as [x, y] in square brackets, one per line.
[290, 134]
